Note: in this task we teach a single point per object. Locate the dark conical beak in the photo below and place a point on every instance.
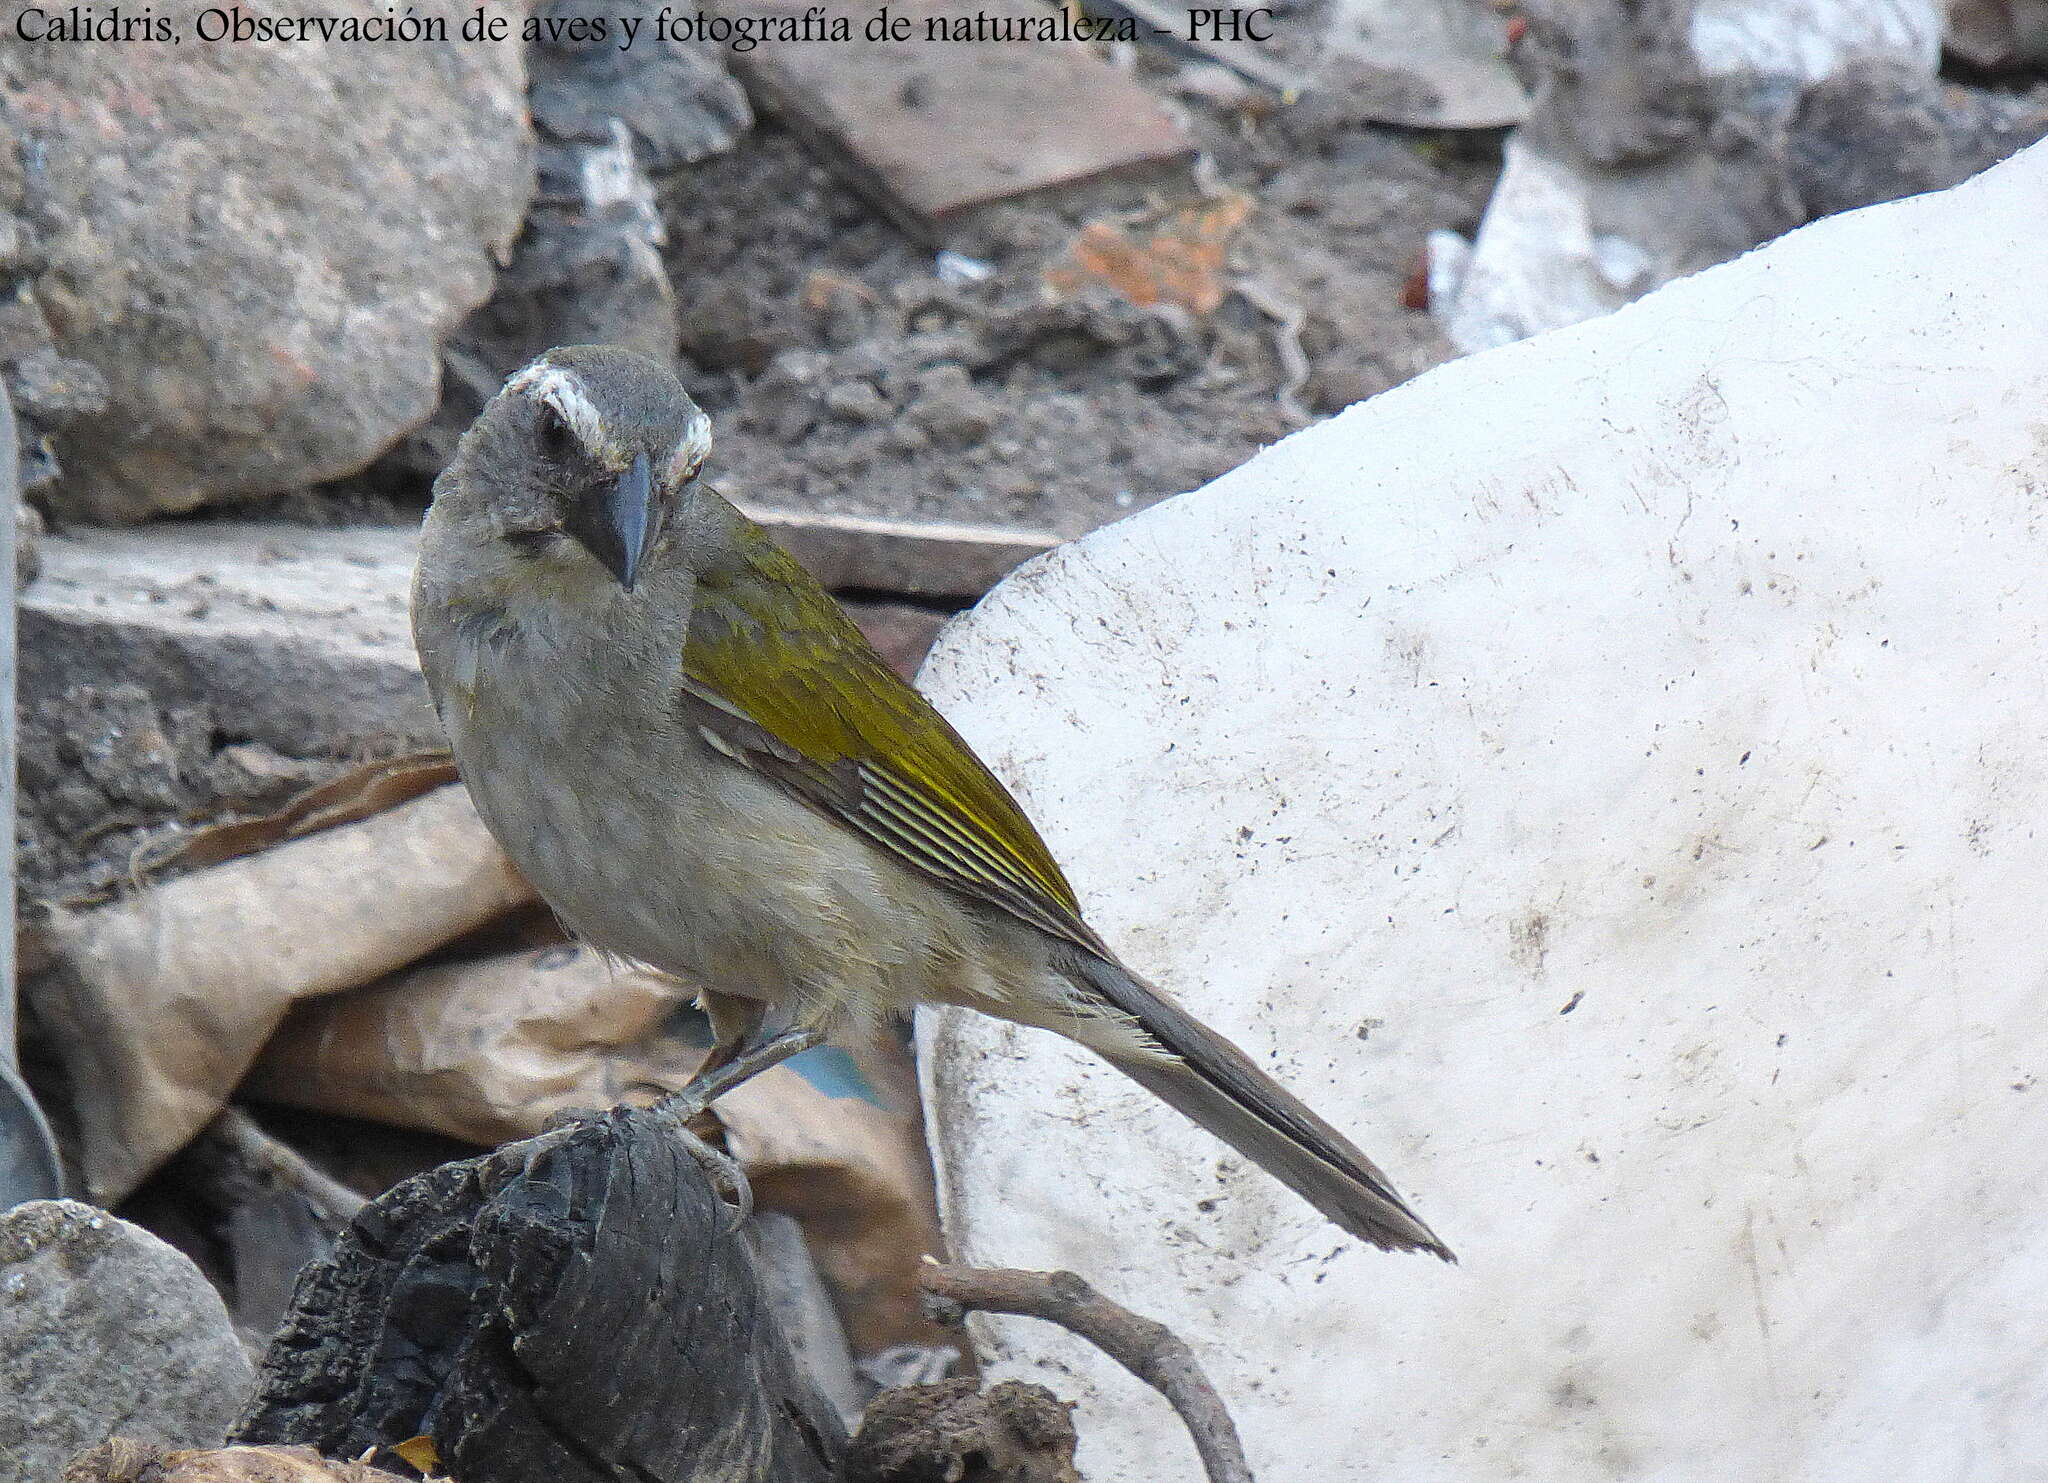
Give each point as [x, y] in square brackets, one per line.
[613, 526]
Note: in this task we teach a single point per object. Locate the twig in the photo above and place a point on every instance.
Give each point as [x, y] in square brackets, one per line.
[1288, 319]
[333, 1202]
[1149, 1350]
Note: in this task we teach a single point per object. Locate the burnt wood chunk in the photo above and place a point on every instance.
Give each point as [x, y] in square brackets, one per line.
[569, 1308]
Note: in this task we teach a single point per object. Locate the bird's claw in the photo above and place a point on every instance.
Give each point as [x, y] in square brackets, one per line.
[564, 1118]
[725, 1175]
[727, 1068]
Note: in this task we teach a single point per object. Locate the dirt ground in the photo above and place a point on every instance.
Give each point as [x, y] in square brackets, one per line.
[845, 374]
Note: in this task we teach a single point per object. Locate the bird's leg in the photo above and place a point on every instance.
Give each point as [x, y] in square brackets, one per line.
[729, 1064]
[735, 1024]
[741, 1065]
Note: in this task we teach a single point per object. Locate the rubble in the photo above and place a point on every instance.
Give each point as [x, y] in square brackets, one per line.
[1668, 137]
[1099, 406]
[103, 1330]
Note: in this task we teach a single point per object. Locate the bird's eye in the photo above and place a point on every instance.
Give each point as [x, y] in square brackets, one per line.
[556, 441]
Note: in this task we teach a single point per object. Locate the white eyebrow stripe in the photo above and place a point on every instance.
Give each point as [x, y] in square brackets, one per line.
[692, 449]
[560, 389]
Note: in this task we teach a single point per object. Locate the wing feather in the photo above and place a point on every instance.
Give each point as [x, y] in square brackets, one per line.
[810, 705]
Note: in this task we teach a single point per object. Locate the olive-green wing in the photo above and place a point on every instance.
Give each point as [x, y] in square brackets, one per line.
[809, 704]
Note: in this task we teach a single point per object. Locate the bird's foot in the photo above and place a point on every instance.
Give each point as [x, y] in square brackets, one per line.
[727, 1071]
[571, 1117]
[725, 1174]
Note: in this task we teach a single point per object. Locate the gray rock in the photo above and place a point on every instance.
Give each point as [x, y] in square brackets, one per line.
[856, 401]
[105, 1329]
[294, 638]
[951, 410]
[28, 545]
[46, 389]
[260, 248]
[587, 268]
[680, 105]
[1879, 130]
[53, 389]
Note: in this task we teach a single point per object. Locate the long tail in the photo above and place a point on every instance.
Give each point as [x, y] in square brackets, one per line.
[1216, 1085]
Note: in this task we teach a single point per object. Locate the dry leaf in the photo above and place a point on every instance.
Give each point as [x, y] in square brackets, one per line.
[122, 1461]
[421, 1453]
[370, 789]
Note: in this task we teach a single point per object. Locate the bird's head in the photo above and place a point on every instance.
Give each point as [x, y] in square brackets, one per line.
[585, 455]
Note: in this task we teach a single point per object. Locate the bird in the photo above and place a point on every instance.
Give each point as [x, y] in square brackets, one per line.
[699, 762]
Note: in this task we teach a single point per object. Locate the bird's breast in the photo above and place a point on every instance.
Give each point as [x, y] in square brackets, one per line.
[652, 844]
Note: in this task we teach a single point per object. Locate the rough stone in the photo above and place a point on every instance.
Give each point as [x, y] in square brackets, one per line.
[28, 545]
[953, 1429]
[259, 246]
[104, 1329]
[295, 638]
[587, 268]
[680, 105]
[185, 673]
[1602, 776]
[950, 411]
[1880, 130]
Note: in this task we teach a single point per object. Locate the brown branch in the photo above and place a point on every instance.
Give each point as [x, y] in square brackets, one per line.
[1149, 1350]
[256, 1153]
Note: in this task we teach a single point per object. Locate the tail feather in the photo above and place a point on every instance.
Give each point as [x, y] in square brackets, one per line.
[1215, 1084]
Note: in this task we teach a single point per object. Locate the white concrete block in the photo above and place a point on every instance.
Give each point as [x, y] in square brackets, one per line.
[1607, 776]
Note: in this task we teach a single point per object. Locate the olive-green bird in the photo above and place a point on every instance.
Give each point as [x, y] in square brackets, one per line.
[696, 758]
